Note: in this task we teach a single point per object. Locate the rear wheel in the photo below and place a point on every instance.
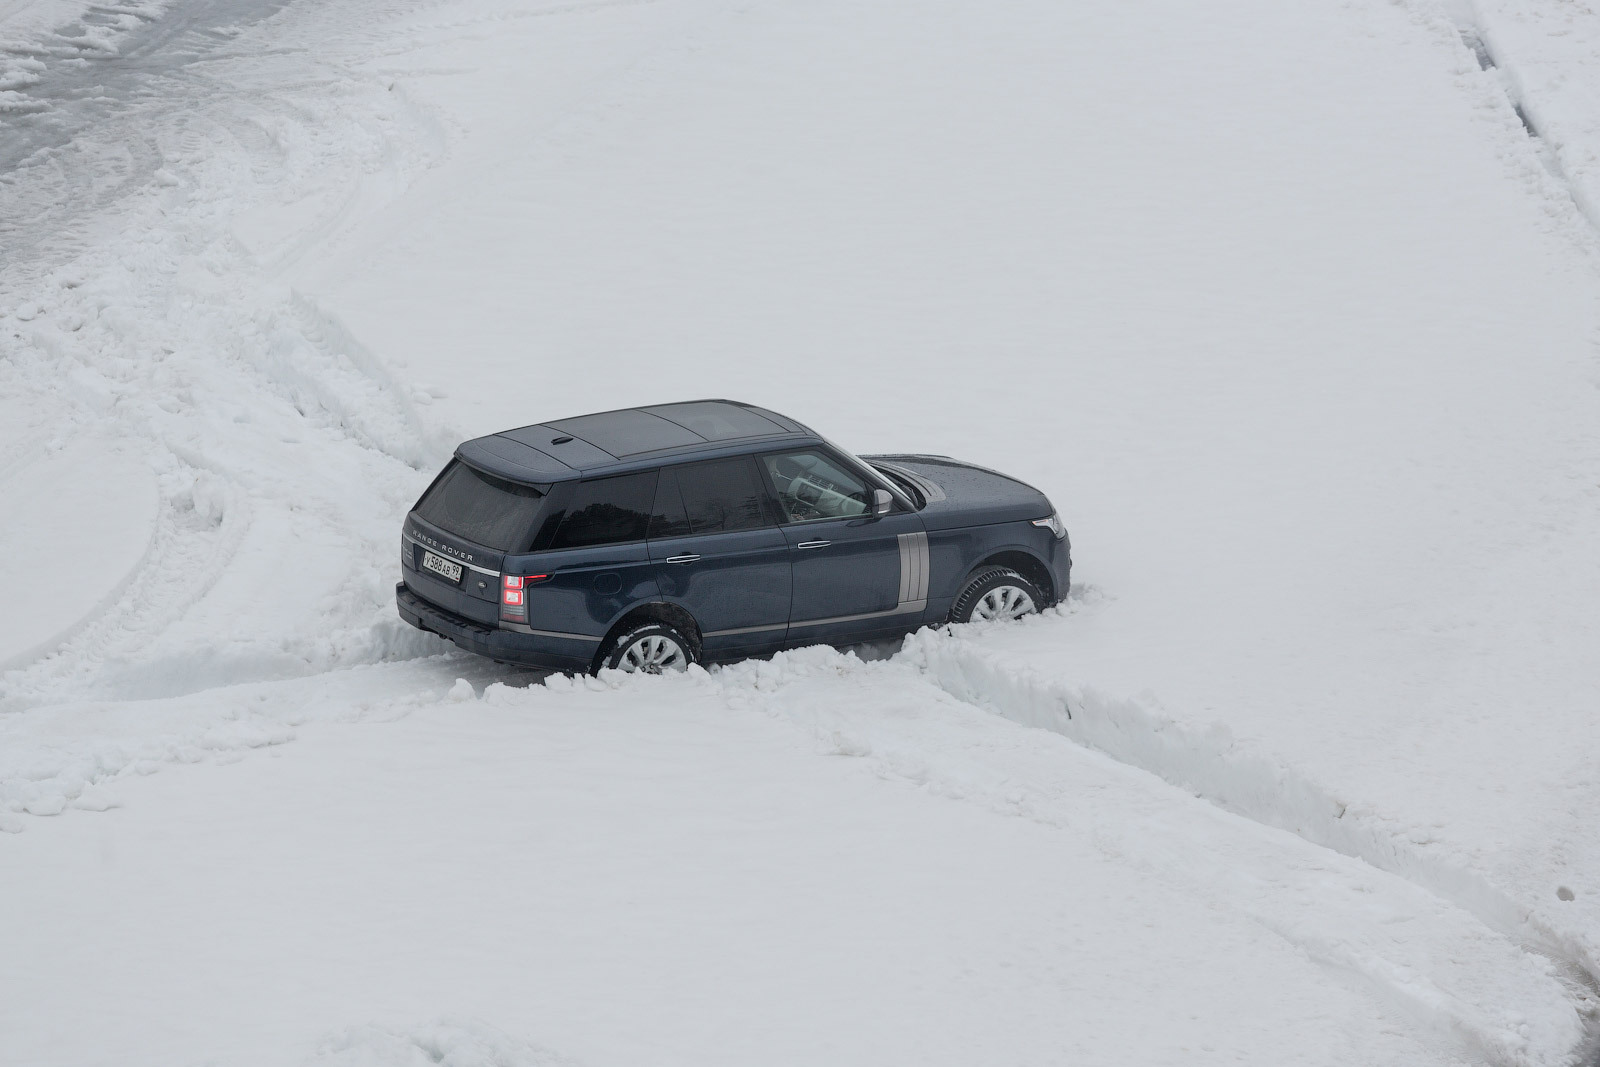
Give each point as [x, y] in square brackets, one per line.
[996, 593]
[652, 649]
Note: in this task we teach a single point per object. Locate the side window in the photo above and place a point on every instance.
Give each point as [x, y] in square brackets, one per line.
[607, 511]
[722, 495]
[667, 518]
[813, 485]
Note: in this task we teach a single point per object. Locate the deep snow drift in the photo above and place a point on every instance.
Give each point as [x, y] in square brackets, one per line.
[1281, 304]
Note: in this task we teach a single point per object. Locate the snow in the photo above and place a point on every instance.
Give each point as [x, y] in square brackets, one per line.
[585, 882]
[1545, 56]
[56, 540]
[1281, 305]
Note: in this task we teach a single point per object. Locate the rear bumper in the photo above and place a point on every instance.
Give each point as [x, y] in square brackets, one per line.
[507, 646]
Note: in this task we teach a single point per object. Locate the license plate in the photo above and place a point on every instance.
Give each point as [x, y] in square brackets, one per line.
[441, 566]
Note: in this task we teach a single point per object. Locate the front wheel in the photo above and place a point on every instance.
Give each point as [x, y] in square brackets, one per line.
[653, 649]
[996, 593]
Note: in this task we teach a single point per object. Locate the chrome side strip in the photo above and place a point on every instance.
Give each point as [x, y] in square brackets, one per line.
[913, 567]
[745, 630]
[905, 571]
[452, 559]
[518, 627]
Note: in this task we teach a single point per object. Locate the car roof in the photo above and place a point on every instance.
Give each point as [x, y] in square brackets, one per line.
[563, 449]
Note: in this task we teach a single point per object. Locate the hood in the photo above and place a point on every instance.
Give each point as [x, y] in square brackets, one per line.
[961, 494]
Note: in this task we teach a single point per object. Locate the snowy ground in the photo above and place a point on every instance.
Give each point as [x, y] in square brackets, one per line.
[1292, 310]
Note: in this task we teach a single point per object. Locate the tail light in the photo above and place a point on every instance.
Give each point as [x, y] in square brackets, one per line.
[514, 595]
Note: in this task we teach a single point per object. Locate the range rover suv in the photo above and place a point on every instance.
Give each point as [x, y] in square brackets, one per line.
[650, 538]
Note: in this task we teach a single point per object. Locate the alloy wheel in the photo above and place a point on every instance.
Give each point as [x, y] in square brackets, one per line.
[653, 654]
[1003, 602]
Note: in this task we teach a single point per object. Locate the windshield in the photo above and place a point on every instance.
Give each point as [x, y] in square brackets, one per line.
[882, 477]
[481, 508]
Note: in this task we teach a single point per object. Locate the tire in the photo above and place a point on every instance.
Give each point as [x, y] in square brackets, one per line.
[654, 648]
[996, 593]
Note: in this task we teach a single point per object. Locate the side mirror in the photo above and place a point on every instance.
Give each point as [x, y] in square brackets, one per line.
[881, 501]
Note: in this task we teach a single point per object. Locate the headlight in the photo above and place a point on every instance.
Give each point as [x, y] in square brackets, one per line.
[1053, 524]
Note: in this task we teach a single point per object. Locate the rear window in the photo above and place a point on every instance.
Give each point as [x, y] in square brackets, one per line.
[608, 511]
[481, 508]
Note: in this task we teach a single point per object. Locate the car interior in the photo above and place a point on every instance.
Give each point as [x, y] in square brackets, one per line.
[811, 486]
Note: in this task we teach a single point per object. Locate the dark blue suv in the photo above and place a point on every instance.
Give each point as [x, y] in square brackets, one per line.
[652, 538]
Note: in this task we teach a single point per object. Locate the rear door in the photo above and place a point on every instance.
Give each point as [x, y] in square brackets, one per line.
[855, 574]
[719, 552]
[597, 559]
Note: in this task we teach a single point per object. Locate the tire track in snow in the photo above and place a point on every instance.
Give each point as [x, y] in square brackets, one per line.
[1469, 26]
[1254, 786]
[73, 754]
[397, 429]
[109, 68]
[58, 527]
[186, 356]
[190, 549]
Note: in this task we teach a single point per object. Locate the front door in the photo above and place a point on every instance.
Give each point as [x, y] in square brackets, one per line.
[855, 574]
[719, 553]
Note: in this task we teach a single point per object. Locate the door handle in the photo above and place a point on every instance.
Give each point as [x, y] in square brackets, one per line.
[813, 544]
[682, 559]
